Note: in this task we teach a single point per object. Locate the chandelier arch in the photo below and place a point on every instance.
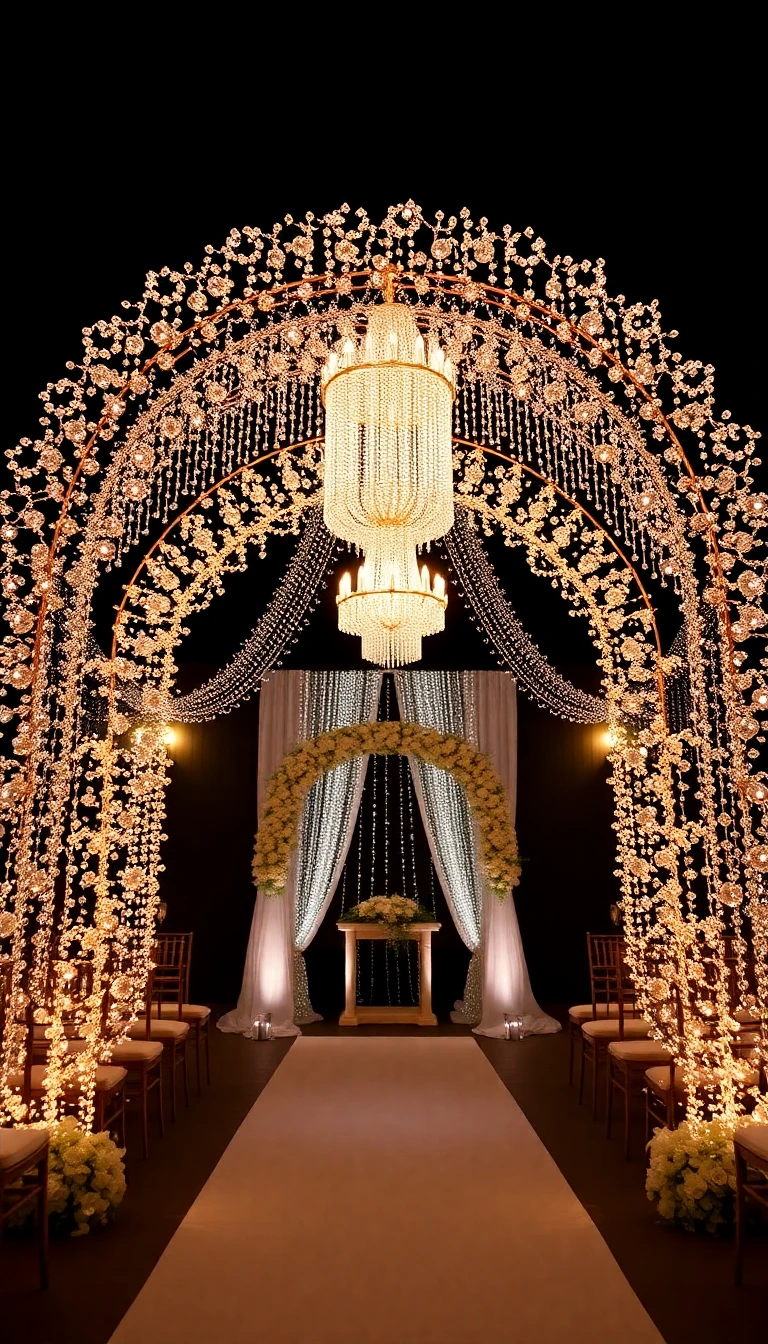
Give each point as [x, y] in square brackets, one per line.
[581, 387]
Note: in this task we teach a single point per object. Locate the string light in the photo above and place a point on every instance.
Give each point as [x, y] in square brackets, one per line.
[157, 428]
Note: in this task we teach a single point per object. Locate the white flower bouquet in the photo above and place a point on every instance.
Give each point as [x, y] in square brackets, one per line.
[396, 912]
[86, 1178]
[692, 1175]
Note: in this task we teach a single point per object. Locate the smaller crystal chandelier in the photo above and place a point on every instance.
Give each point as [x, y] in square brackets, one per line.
[393, 606]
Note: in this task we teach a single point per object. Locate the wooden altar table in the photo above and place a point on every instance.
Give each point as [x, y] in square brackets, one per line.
[354, 1014]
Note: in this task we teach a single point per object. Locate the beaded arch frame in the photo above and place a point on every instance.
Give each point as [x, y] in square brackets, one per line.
[580, 435]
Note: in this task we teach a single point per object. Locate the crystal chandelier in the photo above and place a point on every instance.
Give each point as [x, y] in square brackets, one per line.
[393, 606]
[388, 476]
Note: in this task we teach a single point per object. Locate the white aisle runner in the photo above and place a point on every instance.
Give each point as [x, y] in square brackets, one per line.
[386, 1189]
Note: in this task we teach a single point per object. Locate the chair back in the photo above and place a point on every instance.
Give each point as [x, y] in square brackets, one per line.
[610, 981]
[171, 956]
[603, 954]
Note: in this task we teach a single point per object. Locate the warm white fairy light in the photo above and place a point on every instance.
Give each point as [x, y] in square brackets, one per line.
[170, 401]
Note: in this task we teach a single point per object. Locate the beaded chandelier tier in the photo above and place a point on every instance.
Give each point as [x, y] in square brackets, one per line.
[392, 608]
[388, 484]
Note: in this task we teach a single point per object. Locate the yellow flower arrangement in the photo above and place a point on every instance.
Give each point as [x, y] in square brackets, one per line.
[292, 781]
[691, 1175]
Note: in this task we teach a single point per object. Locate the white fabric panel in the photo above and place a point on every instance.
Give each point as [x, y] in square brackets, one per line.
[506, 987]
[333, 700]
[443, 700]
[268, 973]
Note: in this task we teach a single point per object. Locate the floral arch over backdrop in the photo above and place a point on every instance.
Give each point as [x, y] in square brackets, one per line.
[191, 432]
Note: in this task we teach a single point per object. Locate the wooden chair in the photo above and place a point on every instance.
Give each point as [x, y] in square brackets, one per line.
[601, 954]
[627, 1063]
[750, 1146]
[171, 995]
[24, 1180]
[109, 1099]
[143, 1063]
[171, 1035]
[627, 1025]
[666, 1095]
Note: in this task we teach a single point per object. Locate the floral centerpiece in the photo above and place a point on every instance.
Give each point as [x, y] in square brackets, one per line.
[394, 912]
[307, 762]
[692, 1175]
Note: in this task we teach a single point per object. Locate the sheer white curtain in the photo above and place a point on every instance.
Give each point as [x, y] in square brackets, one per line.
[481, 706]
[506, 986]
[332, 700]
[268, 973]
[443, 700]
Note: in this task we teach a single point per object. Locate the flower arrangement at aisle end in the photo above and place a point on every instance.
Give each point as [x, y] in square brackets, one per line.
[394, 912]
[471, 769]
[691, 1175]
[86, 1178]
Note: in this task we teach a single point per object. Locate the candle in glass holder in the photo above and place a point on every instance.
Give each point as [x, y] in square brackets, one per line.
[513, 1027]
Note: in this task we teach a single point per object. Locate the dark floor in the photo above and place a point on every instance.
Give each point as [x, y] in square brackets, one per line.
[684, 1281]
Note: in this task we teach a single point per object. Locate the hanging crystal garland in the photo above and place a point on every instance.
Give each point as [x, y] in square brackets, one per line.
[294, 598]
[516, 650]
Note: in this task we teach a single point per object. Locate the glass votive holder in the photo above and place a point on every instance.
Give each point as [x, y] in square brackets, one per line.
[513, 1027]
[262, 1027]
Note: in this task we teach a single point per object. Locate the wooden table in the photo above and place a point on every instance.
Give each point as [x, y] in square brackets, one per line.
[421, 1013]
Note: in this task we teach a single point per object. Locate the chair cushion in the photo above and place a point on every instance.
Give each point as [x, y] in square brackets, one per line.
[40, 1029]
[748, 1017]
[136, 1052]
[751, 1136]
[634, 1028]
[20, 1145]
[583, 1012]
[658, 1079]
[639, 1052]
[107, 1077]
[159, 1030]
[190, 1012]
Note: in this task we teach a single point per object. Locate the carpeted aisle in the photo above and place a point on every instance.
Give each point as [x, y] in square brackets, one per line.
[386, 1189]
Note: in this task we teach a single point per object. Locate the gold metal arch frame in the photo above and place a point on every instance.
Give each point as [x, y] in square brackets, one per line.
[590, 393]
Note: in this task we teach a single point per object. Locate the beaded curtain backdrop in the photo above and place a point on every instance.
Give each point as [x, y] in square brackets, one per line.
[191, 431]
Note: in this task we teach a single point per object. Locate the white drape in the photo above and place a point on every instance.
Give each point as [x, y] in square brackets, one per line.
[268, 973]
[332, 700]
[506, 987]
[443, 700]
[481, 706]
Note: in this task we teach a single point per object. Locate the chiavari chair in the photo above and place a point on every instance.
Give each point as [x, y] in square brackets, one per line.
[171, 994]
[601, 954]
[666, 1090]
[110, 1078]
[23, 1181]
[597, 1034]
[171, 1035]
[750, 1146]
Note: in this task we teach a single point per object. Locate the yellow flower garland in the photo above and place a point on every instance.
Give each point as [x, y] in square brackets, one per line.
[290, 784]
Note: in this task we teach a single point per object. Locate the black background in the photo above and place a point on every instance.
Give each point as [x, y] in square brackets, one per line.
[127, 150]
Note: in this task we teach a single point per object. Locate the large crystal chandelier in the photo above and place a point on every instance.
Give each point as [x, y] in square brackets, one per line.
[388, 477]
